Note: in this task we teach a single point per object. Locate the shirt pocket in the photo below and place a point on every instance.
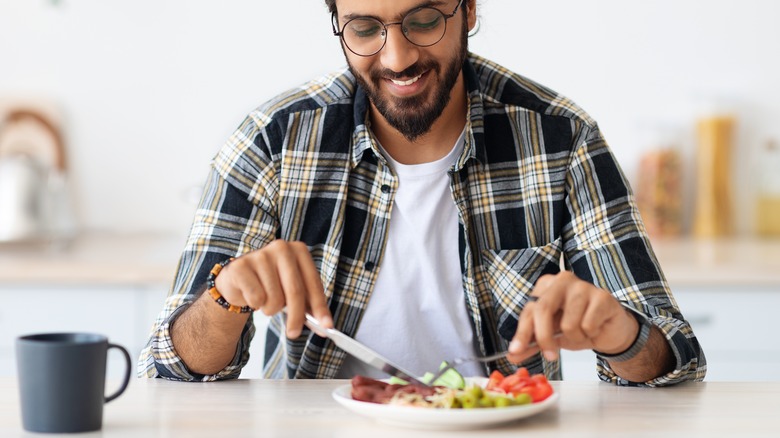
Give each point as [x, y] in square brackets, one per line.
[511, 276]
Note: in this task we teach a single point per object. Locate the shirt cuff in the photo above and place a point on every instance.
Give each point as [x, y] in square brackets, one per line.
[167, 364]
[690, 363]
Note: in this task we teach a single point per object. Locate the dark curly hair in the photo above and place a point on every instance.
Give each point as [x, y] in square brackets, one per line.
[331, 4]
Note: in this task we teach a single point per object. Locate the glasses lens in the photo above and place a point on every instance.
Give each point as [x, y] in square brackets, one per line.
[425, 26]
[364, 35]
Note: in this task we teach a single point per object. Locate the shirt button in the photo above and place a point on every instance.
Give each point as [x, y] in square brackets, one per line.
[369, 266]
[385, 188]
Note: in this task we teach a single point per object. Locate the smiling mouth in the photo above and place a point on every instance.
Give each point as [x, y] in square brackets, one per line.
[407, 82]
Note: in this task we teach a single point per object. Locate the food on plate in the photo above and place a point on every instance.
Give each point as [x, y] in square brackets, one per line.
[450, 378]
[500, 391]
[521, 382]
[376, 391]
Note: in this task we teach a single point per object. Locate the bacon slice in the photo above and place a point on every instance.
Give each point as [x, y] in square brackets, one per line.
[376, 391]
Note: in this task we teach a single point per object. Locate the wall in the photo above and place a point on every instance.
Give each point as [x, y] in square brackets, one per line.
[150, 89]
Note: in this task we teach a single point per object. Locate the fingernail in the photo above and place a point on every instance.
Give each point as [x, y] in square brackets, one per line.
[515, 346]
[550, 355]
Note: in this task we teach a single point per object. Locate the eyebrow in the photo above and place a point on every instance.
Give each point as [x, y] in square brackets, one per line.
[428, 4]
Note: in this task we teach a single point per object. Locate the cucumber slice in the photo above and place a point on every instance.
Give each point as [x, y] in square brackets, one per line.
[451, 378]
[397, 381]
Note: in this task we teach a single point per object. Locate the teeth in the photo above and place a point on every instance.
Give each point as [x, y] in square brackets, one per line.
[405, 83]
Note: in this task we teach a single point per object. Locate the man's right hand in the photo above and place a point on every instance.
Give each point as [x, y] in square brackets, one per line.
[278, 276]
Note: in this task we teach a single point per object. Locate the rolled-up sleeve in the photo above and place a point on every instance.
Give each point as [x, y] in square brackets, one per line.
[606, 243]
[159, 357]
[235, 216]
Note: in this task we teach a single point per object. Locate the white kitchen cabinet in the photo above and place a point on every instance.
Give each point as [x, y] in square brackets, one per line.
[737, 328]
[729, 290]
[122, 313]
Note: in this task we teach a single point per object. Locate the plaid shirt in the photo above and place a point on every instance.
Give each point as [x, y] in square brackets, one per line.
[536, 183]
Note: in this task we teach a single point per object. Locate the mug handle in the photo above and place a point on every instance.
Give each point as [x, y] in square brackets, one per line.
[127, 373]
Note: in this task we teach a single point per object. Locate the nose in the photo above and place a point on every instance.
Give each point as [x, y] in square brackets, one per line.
[398, 53]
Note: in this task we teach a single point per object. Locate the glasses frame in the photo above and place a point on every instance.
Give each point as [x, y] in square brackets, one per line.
[340, 34]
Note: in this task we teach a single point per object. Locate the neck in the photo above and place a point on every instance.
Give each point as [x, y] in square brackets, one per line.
[434, 144]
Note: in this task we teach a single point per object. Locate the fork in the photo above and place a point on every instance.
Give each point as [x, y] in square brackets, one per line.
[461, 360]
[455, 362]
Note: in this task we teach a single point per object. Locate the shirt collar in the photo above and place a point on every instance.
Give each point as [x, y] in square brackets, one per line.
[475, 138]
[361, 136]
[475, 132]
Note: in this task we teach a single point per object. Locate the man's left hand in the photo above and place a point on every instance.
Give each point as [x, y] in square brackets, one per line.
[572, 314]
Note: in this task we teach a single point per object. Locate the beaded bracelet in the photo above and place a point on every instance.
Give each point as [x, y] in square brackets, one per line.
[639, 342]
[212, 288]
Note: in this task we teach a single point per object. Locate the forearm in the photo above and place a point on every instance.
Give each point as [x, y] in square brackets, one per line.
[205, 336]
[655, 360]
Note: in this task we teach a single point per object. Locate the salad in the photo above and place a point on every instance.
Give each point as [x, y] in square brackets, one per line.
[451, 392]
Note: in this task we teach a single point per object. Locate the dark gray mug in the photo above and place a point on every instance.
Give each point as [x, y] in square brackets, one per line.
[62, 380]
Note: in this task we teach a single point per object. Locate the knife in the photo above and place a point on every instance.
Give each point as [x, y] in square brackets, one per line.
[361, 352]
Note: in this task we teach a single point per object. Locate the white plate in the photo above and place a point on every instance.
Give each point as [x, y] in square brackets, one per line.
[441, 419]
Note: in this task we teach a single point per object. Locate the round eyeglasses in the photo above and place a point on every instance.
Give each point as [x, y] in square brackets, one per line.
[366, 36]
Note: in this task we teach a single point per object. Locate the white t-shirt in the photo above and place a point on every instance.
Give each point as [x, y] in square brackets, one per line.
[416, 316]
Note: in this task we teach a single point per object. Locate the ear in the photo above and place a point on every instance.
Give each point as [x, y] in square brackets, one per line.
[471, 13]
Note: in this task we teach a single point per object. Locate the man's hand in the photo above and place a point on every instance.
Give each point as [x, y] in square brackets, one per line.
[584, 316]
[278, 276]
[281, 274]
[573, 314]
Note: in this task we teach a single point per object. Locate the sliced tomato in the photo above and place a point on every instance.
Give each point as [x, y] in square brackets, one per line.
[494, 381]
[517, 388]
[510, 381]
[538, 392]
[542, 391]
[523, 372]
[539, 378]
[521, 382]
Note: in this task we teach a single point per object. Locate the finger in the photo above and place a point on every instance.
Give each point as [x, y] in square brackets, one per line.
[607, 324]
[544, 282]
[571, 319]
[523, 355]
[545, 333]
[596, 315]
[518, 347]
[253, 292]
[236, 283]
[547, 313]
[293, 288]
[272, 296]
[317, 303]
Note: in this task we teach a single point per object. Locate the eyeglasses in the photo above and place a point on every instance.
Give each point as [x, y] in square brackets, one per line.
[366, 36]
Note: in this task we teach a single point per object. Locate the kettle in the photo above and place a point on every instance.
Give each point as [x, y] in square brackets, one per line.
[30, 184]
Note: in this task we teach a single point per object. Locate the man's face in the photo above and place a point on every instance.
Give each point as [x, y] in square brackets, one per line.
[408, 85]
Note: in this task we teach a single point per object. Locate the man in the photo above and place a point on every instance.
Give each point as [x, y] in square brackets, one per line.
[420, 201]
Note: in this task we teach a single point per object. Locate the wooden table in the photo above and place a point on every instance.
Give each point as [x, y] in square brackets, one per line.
[273, 408]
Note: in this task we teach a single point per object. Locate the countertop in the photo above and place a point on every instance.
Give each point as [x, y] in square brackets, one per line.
[737, 261]
[127, 259]
[97, 258]
[305, 408]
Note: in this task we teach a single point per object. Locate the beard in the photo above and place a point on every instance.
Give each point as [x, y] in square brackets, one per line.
[414, 116]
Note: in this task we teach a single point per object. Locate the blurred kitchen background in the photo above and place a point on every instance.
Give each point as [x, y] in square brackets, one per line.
[110, 112]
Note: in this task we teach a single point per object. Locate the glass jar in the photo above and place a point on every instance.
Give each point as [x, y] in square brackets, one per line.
[768, 199]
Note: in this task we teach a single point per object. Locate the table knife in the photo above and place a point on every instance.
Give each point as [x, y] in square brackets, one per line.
[361, 352]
